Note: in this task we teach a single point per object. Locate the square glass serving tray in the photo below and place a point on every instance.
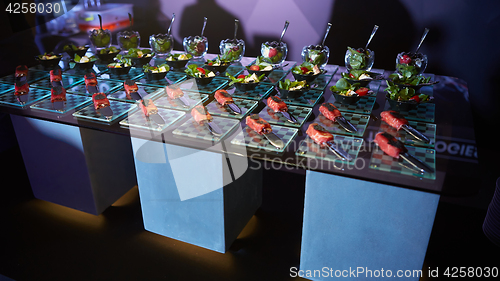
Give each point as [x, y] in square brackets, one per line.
[192, 129]
[72, 102]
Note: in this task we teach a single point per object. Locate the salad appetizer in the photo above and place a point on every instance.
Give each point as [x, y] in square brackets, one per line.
[138, 53]
[306, 68]
[275, 52]
[197, 46]
[110, 50]
[344, 88]
[128, 39]
[156, 69]
[232, 49]
[293, 86]
[120, 62]
[161, 44]
[179, 57]
[84, 59]
[316, 54]
[198, 72]
[100, 38]
[359, 59]
[361, 75]
[404, 94]
[48, 56]
[410, 64]
[261, 64]
[72, 49]
[245, 79]
[411, 80]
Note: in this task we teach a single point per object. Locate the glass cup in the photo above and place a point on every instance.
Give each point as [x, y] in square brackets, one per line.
[360, 60]
[411, 62]
[197, 46]
[232, 49]
[274, 52]
[100, 39]
[161, 44]
[128, 39]
[316, 54]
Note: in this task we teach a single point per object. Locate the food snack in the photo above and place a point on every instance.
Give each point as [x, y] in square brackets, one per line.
[389, 144]
[259, 125]
[394, 119]
[200, 114]
[148, 107]
[57, 94]
[329, 111]
[100, 100]
[319, 134]
[223, 97]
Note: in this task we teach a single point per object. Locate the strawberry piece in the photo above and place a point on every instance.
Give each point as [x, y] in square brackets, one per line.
[273, 52]
[362, 91]
[201, 70]
[415, 98]
[304, 70]
[405, 59]
[254, 67]
[352, 76]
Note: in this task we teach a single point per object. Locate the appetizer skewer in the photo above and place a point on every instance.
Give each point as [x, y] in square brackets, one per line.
[276, 104]
[57, 96]
[21, 70]
[202, 117]
[91, 83]
[224, 98]
[21, 87]
[394, 148]
[397, 121]
[101, 104]
[261, 127]
[332, 113]
[323, 138]
[131, 90]
[151, 111]
[174, 92]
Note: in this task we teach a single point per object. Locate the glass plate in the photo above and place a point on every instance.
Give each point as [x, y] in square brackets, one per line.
[119, 93]
[32, 77]
[105, 86]
[428, 129]
[34, 95]
[192, 129]
[137, 119]
[172, 77]
[134, 74]
[246, 106]
[357, 120]
[67, 81]
[161, 99]
[299, 112]
[210, 88]
[89, 113]
[383, 162]
[72, 102]
[423, 112]
[309, 98]
[249, 138]
[261, 91]
[363, 106]
[308, 148]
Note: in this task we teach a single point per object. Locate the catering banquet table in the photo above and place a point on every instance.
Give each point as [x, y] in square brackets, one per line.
[373, 212]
